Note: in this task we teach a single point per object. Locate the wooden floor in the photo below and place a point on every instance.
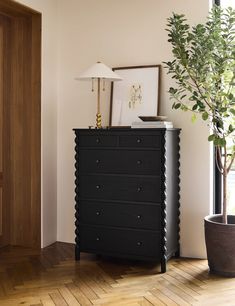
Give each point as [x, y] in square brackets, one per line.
[54, 278]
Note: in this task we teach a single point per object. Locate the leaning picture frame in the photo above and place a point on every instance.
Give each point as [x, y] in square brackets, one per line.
[136, 95]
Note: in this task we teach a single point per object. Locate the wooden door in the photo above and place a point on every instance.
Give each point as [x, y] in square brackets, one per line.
[20, 125]
[1, 127]
[4, 205]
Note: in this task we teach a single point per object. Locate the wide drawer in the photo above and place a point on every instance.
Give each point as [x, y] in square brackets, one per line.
[118, 187]
[142, 216]
[119, 161]
[129, 242]
[140, 141]
[97, 140]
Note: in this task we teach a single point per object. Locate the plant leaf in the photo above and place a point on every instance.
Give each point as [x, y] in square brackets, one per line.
[205, 116]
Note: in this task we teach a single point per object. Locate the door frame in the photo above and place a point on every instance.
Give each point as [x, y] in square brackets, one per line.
[22, 123]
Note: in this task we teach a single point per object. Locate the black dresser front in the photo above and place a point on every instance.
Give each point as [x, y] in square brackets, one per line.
[127, 193]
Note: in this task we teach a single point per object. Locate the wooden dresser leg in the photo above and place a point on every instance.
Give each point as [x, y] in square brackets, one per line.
[77, 253]
[163, 266]
[177, 253]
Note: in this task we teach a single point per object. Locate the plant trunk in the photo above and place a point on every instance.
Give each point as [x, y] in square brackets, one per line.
[225, 175]
[222, 167]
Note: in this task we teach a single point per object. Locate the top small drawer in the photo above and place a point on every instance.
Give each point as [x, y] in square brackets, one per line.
[97, 140]
[152, 141]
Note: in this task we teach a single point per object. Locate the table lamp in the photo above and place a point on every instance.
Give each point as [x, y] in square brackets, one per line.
[99, 72]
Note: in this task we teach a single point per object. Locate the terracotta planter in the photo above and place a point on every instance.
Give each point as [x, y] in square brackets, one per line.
[220, 244]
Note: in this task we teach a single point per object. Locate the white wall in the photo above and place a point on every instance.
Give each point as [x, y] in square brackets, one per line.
[125, 33]
[119, 33]
[48, 8]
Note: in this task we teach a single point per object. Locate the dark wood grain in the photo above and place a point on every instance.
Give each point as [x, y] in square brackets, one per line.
[121, 214]
[1, 95]
[14, 9]
[5, 145]
[127, 189]
[1, 131]
[21, 123]
[120, 187]
[126, 161]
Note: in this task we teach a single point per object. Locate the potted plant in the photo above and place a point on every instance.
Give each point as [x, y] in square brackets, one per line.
[204, 70]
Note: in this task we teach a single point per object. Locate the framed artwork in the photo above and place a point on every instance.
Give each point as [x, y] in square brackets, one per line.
[136, 95]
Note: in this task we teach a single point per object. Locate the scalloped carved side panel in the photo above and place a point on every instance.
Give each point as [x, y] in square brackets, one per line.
[178, 193]
[172, 194]
[77, 249]
[164, 203]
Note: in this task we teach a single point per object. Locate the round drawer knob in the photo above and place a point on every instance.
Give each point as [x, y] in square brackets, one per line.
[97, 186]
[139, 189]
[139, 217]
[98, 213]
[138, 140]
[139, 243]
[97, 140]
[97, 161]
[97, 238]
[139, 162]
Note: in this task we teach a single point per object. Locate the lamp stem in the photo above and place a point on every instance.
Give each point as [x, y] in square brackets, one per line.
[98, 115]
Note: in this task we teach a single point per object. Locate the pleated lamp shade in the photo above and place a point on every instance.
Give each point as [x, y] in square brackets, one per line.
[99, 70]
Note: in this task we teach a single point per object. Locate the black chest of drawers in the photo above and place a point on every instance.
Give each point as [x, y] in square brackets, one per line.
[127, 193]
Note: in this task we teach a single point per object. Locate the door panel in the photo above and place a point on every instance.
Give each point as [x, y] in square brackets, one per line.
[20, 126]
[5, 80]
[3, 221]
[1, 126]
[1, 232]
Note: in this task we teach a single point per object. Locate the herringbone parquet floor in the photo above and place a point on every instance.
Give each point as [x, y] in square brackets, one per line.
[52, 277]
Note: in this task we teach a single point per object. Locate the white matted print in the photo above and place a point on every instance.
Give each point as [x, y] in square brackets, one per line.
[136, 95]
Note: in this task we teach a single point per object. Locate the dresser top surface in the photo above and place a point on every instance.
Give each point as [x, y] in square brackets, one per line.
[125, 130]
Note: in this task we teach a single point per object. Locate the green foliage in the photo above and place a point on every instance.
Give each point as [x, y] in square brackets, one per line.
[204, 71]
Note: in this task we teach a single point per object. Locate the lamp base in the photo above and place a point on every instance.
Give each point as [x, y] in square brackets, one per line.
[98, 120]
